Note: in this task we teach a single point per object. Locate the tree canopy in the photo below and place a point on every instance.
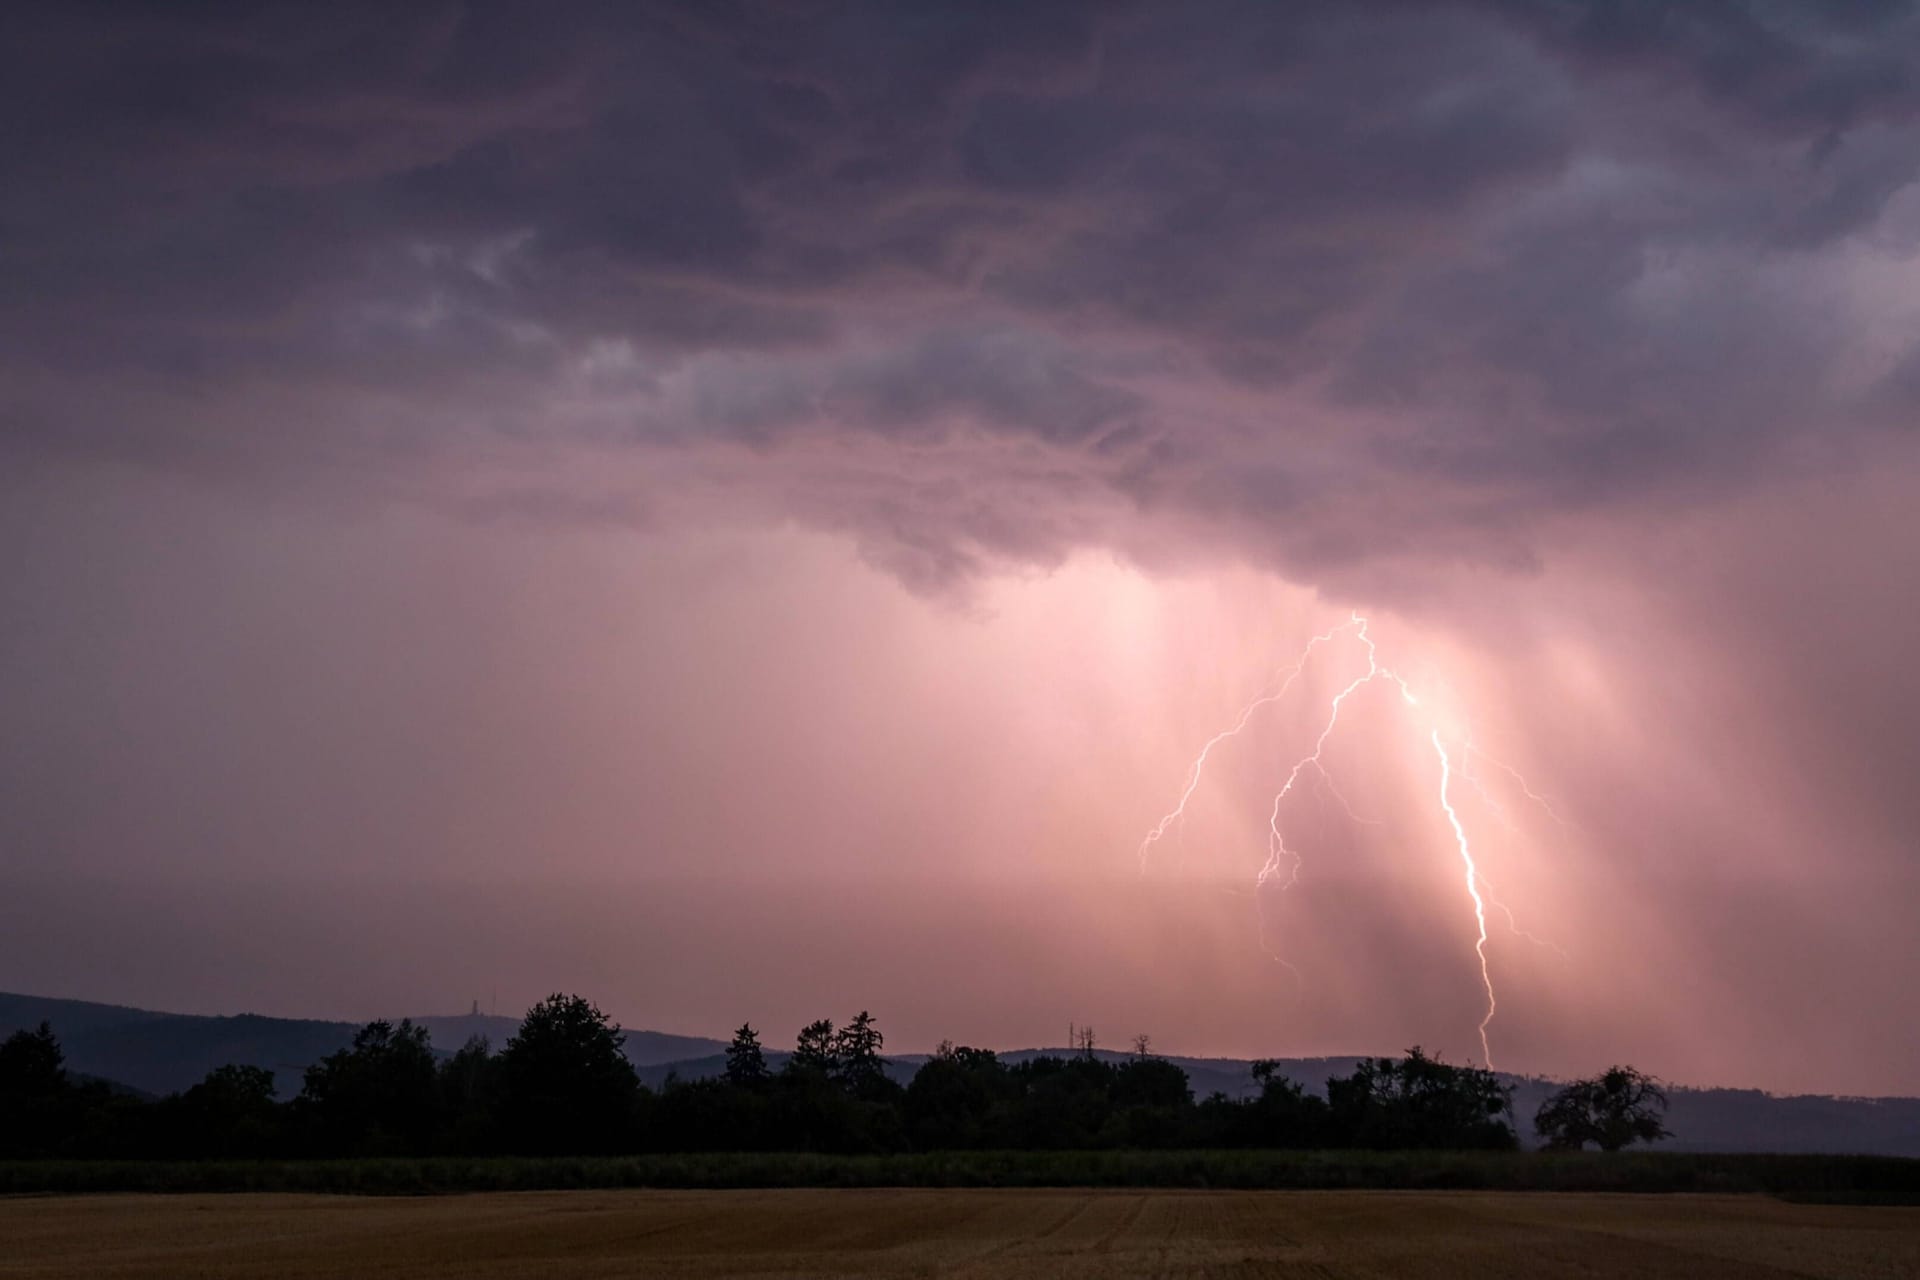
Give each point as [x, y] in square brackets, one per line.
[1614, 1109]
[746, 1060]
[568, 1086]
[375, 1097]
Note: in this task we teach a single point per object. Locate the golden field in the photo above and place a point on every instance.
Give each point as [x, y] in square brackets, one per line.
[985, 1233]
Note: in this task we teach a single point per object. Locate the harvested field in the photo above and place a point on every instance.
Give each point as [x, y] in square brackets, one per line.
[985, 1233]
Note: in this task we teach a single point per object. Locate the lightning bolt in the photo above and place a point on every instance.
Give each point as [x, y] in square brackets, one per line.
[1324, 781]
[1468, 751]
[1276, 843]
[1473, 889]
[1283, 859]
[1526, 788]
[1179, 811]
[1513, 923]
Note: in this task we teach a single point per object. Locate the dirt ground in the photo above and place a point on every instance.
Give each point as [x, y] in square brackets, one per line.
[954, 1233]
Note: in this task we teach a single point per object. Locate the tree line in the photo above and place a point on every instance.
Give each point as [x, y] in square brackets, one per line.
[562, 1086]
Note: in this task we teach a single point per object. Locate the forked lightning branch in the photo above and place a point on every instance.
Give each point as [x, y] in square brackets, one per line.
[1283, 863]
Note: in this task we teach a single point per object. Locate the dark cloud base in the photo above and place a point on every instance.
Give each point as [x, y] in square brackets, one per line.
[1226, 273]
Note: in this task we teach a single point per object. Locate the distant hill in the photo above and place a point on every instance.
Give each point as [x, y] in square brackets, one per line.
[164, 1053]
[644, 1048]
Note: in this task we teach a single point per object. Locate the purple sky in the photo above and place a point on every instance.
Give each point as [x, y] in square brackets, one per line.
[750, 511]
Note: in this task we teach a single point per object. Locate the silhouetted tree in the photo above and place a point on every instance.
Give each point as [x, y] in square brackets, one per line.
[857, 1063]
[469, 1087]
[36, 1102]
[814, 1051]
[812, 1112]
[1152, 1102]
[567, 1087]
[1615, 1108]
[1284, 1114]
[1064, 1102]
[231, 1113]
[1149, 1082]
[746, 1061]
[715, 1115]
[960, 1098]
[32, 1063]
[375, 1097]
[1420, 1101]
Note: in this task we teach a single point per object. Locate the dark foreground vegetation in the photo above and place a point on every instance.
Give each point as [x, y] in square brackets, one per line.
[561, 1106]
[1826, 1179]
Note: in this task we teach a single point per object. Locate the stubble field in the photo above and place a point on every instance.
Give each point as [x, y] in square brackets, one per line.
[985, 1233]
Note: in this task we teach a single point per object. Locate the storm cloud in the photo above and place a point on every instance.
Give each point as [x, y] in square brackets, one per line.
[1221, 275]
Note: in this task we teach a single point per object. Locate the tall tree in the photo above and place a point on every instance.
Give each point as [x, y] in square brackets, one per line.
[377, 1096]
[36, 1098]
[857, 1061]
[470, 1097]
[231, 1113]
[567, 1085]
[746, 1061]
[815, 1051]
[32, 1064]
[959, 1098]
[1284, 1114]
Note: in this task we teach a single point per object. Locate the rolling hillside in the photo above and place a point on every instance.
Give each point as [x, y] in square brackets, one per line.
[167, 1052]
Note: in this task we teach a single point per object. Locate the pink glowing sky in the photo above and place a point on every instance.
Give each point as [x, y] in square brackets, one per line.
[751, 516]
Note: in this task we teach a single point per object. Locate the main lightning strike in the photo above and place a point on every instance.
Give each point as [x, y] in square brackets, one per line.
[1280, 857]
[1468, 750]
[1473, 889]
